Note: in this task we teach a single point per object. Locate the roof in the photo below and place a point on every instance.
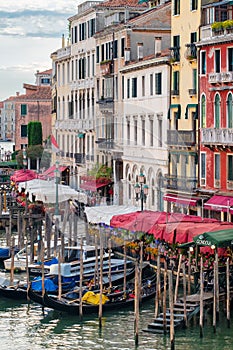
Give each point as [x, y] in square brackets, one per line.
[154, 18]
[34, 92]
[122, 3]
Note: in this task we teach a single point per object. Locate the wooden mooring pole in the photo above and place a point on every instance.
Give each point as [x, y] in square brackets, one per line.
[101, 282]
[201, 298]
[217, 287]
[165, 298]
[214, 299]
[228, 293]
[157, 297]
[177, 278]
[171, 305]
[136, 304]
[81, 281]
[184, 295]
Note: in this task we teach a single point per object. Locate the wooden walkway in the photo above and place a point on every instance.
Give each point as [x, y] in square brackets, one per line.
[161, 324]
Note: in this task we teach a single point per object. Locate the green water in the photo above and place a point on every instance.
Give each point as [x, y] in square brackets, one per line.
[25, 327]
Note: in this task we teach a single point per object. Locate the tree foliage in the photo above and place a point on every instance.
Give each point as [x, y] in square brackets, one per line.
[102, 171]
[34, 133]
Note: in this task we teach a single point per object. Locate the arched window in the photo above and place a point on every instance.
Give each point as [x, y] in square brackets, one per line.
[229, 111]
[203, 111]
[129, 186]
[217, 111]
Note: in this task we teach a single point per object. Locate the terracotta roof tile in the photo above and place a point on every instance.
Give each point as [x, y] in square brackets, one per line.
[41, 93]
[122, 3]
[48, 71]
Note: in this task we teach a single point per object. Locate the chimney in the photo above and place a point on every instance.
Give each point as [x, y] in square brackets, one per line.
[158, 41]
[127, 55]
[63, 41]
[140, 51]
[17, 93]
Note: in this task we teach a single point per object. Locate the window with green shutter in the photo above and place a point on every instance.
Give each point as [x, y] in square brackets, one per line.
[23, 109]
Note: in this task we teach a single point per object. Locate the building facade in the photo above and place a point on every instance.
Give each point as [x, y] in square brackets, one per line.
[216, 112]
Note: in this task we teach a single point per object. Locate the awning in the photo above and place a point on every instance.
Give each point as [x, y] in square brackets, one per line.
[222, 238]
[180, 200]
[104, 214]
[50, 172]
[176, 106]
[93, 185]
[219, 203]
[191, 105]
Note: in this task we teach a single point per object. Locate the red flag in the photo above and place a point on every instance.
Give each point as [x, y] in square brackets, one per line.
[55, 147]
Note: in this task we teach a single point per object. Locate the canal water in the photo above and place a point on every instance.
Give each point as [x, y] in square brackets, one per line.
[26, 327]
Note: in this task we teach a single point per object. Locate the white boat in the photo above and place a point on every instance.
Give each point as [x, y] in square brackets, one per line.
[20, 259]
[72, 260]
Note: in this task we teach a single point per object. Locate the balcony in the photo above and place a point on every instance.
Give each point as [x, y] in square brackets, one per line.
[181, 138]
[223, 77]
[106, 68]
[174, 182]
[217, 34]
[175, 92]
[75, 125]
[191, 52]
[175, 54]
[192, 92]
[87, 83]
[64, 52]
[105, 144]
[222, 137]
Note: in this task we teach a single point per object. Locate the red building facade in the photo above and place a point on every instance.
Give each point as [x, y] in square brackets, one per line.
[216, 110]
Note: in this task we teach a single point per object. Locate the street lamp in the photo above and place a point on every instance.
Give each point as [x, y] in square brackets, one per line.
[57, 181]
[141, 190]
[24, 157]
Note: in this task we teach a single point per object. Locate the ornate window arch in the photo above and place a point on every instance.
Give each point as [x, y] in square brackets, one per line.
[229, 111]
[217, 111]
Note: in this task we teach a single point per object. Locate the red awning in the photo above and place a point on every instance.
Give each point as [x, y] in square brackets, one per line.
[181, 200]
[93, 185]
[23, 175]
[219, 203]
[50, 172]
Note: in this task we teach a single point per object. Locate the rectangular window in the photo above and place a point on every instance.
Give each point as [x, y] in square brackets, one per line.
[230, 59]
[128, 88]
[230, 168]
[217, 169]
[158, 83]
[203, 62]
[176, 82]
[195, 79]
[217, 61]
[160, 133]
[122, 47]
[97, 54]
[151, 132]
[135, 131]
[176, 10]
[115, 49]
[151, 84]
[134, 87]
[128, 132]
[102, 53]
[143, 85]
[203, 166]
[23, 109]
[24, 130]
[143, 133]
[123, 87]
[193, 5]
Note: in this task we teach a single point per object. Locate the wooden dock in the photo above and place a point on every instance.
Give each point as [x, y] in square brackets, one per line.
[161, 324]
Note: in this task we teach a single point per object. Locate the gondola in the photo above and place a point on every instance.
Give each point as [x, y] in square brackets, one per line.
[117, 300]
[117, 278]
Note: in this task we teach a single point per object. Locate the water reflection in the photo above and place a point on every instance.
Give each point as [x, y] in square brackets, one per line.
[26, 326]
